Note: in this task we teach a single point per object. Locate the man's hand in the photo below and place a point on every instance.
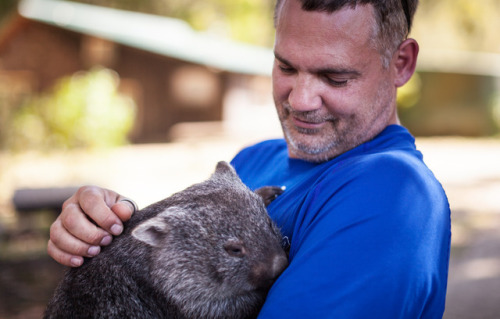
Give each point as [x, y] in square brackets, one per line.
[88, 220]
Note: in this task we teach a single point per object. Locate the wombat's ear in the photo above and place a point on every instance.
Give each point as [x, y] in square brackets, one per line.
[224, 168]
[153, 230]
[269, 193]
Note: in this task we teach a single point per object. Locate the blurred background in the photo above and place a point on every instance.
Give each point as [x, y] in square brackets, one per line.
[144, 97]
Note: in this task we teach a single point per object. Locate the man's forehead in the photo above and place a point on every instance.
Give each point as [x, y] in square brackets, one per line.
[322, 30]
[291, 13]
[322, 6]
[313, 41]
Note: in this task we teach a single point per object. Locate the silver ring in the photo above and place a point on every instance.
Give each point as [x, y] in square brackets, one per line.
[131, 202]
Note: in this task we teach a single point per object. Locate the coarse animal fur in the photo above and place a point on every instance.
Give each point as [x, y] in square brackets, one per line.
[209, 251]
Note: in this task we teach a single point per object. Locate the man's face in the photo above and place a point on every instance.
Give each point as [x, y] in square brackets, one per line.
[329, 86]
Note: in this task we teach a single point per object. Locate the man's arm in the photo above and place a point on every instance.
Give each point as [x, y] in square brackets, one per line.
[73, 235]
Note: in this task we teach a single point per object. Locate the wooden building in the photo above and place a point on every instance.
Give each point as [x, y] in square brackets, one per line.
[173, 73]
[178, 75]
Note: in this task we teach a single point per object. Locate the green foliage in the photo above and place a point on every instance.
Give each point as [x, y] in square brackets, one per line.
[6, 8]
[458, 24]
[84, 110]
[242, 20]
[409, 94]
[495, 109]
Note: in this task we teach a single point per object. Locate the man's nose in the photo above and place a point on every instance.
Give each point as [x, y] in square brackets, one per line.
[304, 95]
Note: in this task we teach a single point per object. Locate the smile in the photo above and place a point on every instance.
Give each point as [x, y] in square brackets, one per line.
[304, 124]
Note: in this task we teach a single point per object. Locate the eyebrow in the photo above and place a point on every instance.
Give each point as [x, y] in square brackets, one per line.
[326, 70]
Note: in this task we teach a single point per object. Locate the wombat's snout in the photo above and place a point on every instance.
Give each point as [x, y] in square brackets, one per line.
[263, 274]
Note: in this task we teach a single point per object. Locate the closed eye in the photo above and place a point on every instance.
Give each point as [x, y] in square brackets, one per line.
[283, 65]
[286, 69]
[338, 77]
[335, 82]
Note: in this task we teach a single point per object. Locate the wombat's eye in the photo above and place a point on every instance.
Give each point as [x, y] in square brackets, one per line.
[235, 249]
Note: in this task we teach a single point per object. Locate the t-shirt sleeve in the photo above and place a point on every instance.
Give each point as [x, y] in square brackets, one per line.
[371, 244]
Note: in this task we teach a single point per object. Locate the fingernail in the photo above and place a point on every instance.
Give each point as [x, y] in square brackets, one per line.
[76, 262]
[106, 240]
[94, 251]
[116, 229]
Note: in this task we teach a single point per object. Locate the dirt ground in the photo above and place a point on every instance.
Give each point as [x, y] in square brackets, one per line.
[469, 170]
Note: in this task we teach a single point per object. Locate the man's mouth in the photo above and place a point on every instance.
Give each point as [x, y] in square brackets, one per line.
[307, 124]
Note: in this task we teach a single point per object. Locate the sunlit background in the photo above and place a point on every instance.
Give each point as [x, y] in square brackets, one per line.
[144, 97]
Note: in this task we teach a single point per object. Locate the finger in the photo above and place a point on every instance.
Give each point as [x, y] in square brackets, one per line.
[93, 203]
[69, 244]
[72, 222]
[63, 257]
[124, 209]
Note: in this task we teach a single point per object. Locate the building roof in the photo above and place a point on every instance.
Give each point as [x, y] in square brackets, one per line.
[175, 38]
[161, 35]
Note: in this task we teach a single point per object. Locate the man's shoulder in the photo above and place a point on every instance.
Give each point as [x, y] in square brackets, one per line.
[381, 172]
[397, 165]
[389, 160]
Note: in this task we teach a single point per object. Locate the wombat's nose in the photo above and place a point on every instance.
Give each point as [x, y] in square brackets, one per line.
[279, 264]
[263, 275]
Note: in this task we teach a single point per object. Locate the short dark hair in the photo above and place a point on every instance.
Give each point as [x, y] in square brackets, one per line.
[394, 19]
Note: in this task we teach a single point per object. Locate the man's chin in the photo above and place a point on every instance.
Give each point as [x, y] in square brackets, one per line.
[310, 153]
[305, 145]
[308, 157]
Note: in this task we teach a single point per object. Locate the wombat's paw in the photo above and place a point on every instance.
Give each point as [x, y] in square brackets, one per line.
[269, 193]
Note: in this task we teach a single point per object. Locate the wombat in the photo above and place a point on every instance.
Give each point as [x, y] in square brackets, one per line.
[209, 251]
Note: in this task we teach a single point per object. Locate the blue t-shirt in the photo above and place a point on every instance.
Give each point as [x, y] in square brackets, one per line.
[369, 230]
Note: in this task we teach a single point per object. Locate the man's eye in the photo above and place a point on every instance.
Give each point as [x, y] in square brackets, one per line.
[286, 69]
[336, 83]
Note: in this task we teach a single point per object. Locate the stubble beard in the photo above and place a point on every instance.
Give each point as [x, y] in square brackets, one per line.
[338, 135]
[313, 145]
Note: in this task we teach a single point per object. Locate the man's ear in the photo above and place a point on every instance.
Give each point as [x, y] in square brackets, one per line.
[405, 61]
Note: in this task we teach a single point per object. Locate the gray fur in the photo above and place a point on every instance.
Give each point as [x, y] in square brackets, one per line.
[210, 251]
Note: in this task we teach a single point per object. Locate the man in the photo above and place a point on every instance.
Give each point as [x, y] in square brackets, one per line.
[368, 223]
